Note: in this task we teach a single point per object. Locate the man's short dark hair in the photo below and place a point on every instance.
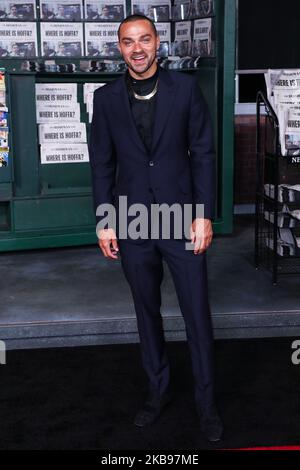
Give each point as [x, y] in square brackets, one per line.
[137, 17]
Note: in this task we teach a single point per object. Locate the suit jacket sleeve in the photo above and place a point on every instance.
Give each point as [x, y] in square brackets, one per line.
[102, 157]
[202, 152]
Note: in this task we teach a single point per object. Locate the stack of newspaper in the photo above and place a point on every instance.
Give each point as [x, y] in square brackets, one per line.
[61, 134]
[286, 192]
[283, 89]
[284, 219]
[287, 243]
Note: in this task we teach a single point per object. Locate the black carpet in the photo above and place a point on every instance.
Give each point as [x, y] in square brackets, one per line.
[87, 397]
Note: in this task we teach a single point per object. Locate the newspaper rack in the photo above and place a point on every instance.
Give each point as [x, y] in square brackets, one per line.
[277, 208]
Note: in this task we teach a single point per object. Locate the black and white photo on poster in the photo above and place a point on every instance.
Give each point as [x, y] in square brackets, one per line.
[62, 39]
[156, 10]
[18, 10]
[292, 132]
[4, 49]
[61, 10]
[182, 10]
[182, 41]
[101, 40]
[202, 40]
[202, 8]
[164, 32]
[109, 10]
[18, 39]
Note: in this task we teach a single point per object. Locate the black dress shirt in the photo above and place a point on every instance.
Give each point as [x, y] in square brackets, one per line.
[143, 110]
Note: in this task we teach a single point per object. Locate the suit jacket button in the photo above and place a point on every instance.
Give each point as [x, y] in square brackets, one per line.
[151, 163]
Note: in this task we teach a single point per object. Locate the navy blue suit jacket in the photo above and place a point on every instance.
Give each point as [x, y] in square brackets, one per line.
[181, 167]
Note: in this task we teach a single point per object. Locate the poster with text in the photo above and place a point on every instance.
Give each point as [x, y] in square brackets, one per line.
[51, 113]
[182, 42]
[55, 93]
[60, 153]
[203, 45]
[62, 39]
[164, 32]
[18, 39]
[62, 133]
[101, 40]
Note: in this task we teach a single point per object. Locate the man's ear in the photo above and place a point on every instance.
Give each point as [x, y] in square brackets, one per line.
[157, 42]
[118, 44]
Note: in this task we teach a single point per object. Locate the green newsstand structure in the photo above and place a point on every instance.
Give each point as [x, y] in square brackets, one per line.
[44, 206]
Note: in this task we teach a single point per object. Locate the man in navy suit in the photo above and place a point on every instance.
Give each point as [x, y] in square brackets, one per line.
[151, 143]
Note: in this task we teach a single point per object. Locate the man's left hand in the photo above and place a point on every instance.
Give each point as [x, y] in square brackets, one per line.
[201, 233]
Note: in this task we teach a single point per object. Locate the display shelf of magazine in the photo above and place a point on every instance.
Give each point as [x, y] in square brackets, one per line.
[72, 29]
[277, 221]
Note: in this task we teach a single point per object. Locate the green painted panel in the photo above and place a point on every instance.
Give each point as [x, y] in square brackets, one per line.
[65, 177]
[5, 216]
[28, 242]
[25, 143]
[58, 212]
[226, 105]
[5, 173]
[5, 190]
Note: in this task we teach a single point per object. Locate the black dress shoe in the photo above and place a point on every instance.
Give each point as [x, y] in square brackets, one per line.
[211, 425]
[152, 409]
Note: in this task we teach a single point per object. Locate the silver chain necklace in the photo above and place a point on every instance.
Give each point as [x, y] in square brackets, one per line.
[146, 97]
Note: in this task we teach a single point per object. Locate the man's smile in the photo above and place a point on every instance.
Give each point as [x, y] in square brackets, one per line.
[138, 59]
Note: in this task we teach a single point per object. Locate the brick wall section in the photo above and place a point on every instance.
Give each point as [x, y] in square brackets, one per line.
[245, 159]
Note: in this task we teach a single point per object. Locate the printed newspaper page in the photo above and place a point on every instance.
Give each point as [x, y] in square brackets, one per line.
[101, 40]
[18, 39]
[62, 39]
[182, 42]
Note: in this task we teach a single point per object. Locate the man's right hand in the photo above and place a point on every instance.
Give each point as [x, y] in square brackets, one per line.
[108, 243]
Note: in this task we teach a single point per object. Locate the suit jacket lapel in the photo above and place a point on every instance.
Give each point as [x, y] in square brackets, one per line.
[164, 100]
[124, 112]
